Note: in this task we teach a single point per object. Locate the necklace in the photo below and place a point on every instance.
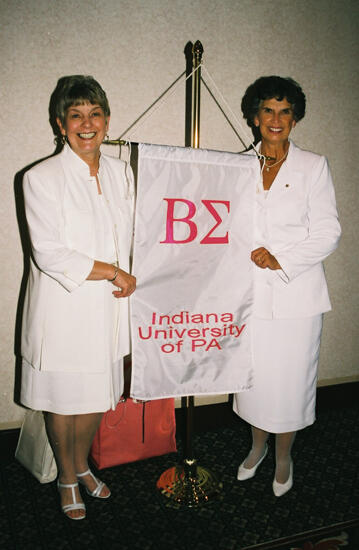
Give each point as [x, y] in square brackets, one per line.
[269, 166]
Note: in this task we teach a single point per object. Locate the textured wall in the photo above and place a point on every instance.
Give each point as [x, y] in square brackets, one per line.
[135, 49]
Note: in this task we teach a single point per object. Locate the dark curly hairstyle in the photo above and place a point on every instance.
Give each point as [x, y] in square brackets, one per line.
[75, 90]
[268, 87]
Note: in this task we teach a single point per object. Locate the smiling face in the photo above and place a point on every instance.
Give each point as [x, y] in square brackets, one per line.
[85, 127]
[275, 121]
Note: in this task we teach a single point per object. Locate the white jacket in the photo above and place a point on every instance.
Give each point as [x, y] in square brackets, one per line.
[298, 223]
[71, 324]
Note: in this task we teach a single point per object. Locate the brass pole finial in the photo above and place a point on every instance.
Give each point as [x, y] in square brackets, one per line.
[198, 49]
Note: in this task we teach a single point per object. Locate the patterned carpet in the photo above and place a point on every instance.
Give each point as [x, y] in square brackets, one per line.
[325, 497]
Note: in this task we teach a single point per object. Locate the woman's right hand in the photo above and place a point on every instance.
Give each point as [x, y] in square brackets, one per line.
[125, 284]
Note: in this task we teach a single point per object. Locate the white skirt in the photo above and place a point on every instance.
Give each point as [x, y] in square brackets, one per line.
[285, 357]
[71, 393]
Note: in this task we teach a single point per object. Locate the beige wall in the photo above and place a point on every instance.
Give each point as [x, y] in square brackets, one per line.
[135, 49]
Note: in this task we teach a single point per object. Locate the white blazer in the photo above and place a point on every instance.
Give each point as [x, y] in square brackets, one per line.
[297, 222]
[71, 324]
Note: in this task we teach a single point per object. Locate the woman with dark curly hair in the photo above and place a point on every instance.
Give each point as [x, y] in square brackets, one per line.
[296, 228]
[79, 209]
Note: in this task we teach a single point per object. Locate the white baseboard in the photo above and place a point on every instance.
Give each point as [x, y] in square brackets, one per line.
[204, 400]
[10, 425]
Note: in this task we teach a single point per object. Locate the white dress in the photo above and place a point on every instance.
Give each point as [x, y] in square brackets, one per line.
[71, 391]
[285, 360]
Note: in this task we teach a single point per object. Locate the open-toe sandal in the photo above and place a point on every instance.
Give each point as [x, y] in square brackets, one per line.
[96, 493]
[75, 504]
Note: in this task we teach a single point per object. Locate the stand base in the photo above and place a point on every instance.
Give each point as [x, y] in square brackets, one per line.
[189, 485]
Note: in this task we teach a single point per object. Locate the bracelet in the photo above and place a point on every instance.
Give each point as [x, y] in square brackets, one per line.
[117, 269]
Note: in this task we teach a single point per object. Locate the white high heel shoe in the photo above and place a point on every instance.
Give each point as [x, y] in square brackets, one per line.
[76, 505]
[96, 493]
[247, 473]
[279, 489]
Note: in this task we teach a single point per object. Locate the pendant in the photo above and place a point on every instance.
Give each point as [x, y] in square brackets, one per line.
[267, 169]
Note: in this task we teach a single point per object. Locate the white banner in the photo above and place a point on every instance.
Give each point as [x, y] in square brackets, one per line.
[193, 238]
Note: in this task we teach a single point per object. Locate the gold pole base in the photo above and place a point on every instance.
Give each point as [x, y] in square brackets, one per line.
[189, 485]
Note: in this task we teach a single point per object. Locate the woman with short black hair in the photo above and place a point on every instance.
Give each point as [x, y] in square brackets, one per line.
[295, 228]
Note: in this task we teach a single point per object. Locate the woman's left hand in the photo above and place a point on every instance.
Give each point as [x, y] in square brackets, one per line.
[263, 258]
[125, 283]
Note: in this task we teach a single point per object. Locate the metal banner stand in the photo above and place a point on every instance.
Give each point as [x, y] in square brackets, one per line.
[190, 484]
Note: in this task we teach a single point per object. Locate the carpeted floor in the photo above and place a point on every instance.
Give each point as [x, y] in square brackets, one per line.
[323, 504]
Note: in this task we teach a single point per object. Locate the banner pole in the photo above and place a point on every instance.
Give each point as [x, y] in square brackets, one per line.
[195, 82]
[190, 484]
[195, 91]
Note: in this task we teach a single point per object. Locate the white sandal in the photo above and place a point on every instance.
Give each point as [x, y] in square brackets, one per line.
[96, 493]
[75, 504]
